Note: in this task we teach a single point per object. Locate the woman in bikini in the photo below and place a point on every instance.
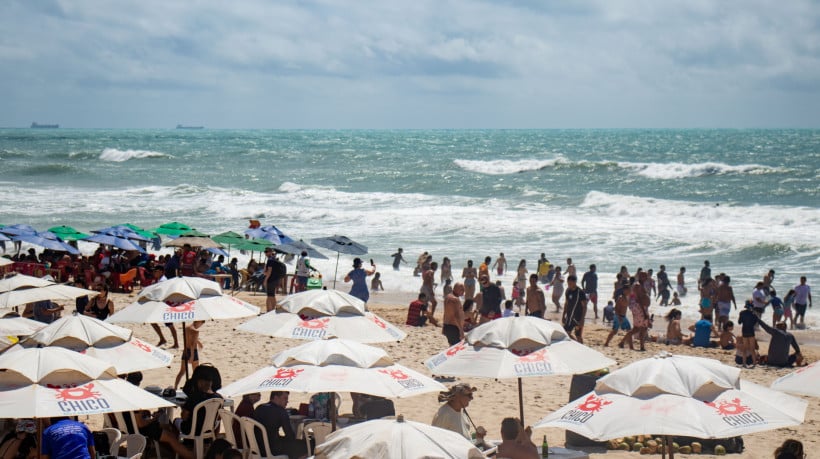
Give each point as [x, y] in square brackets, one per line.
[470, 275]
[100, 307]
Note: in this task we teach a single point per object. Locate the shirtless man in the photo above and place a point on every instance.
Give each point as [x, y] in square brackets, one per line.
[516, 441]
[536, 301]
[620, 322]
[570, 271]
[708, 297]
[500, 264]
[191, 351]
[725, 299]
[428, 284]
[453, 322]
[681, 282]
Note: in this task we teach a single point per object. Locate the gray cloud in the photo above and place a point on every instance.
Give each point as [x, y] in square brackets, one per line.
[455, 63]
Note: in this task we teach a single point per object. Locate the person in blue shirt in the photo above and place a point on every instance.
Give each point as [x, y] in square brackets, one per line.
[68, 439]
[777, 306]
[704, 330]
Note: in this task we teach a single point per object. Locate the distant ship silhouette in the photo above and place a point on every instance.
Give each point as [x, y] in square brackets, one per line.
[35, 125]
[179, 126]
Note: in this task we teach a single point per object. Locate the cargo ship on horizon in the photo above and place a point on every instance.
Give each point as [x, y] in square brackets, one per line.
[36, 125]
[180, 126]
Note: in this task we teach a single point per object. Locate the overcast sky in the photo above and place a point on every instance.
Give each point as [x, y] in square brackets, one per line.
[410, 64]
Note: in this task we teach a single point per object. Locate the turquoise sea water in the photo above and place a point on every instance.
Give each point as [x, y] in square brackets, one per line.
[745, 199]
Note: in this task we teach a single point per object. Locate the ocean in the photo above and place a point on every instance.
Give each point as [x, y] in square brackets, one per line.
[747, 200]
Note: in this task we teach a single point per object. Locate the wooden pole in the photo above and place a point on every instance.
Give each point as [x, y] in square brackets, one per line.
[521, 401]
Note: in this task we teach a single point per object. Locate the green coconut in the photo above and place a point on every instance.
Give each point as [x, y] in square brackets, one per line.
[720, 450]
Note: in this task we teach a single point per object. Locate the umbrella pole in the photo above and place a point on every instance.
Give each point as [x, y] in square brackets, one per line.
[184, 347]
[669, 446]
[521, 401]
[336, 273]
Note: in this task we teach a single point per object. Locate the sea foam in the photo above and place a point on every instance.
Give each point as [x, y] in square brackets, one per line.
[115, 155]
[504, 166]
[671, 171]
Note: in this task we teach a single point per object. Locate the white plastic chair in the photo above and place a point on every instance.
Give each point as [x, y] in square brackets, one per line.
[228, 420]
[317, 431]
[134, 444]
[209, 410]
[249, 427]
[114, 436]
[119, 417]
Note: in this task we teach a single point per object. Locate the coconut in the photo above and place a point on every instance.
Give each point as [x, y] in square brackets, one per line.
[696, 447]
[624, 446]
[612, 444]
[637, 446]
[675, 447]
[685, 449]
[646, 451]
[720, 450]
[653, 446]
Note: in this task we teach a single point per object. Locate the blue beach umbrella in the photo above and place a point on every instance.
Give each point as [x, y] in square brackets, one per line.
[47, 240]
[339, 244]
[296, 248]
[18, 229]
[269, 233]
[122, 231]
[114, 238]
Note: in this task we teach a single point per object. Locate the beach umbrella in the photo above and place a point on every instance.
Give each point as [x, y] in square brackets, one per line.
[67, 233]
[174, 229]
[107, 342]
[115, 238]
[335, 365]
[46, 240]
[269, 233]
[321, 314]
[206, 307]
[803, 381]
[193, 241]
[396, 438]
[676, 395]
[18, 281]
[517, 347]
[58, 292]
[5, 261]
[228, 238]
[4, 238]
[141, 231]
[17, 229]
[52, 382]
[339, 244]
[19, 326]
[123, 231]
[254, 245]
[297, 247]
[180, 289]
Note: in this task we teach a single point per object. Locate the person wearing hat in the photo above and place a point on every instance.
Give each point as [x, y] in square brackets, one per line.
[452, 415]
[21, 443]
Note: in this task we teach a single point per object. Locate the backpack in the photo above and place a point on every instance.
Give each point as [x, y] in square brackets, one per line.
[279, 270]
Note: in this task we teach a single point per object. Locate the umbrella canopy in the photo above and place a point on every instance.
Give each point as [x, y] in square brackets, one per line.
[676, 395]
[335, 365]
[322, 303]
[51, 382]
[207, 307]
[173, 229]
[4, 238]
[107, 342]
[123, 230]
[517, 347]
[803, 381]
[396, 439]
[255, 245]
[180, 289]
[55, 291]
[5, 261]
[269, 233]
[141, 231]
[115, 238]
[297, 247]
[194, 241]
[340, 244]
[47, 240]
[67, 233]
[18, 229]
[367, 328]
[19, 326]
[229, 238]
[22, 281]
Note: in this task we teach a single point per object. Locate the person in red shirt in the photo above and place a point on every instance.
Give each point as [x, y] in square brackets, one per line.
[417, 312]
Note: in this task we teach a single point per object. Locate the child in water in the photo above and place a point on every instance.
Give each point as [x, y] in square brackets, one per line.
[376, 283]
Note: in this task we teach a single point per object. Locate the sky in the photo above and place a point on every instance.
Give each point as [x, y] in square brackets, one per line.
[418, 64]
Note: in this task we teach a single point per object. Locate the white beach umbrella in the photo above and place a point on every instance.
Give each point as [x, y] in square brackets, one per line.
[180, 289]
[803, 381]
[367, 328]
[51, 382]
[107, 342]
[19, 326]
[335, 365]
[396, 438]
[54, 291]
[19, 281]
[676, 395]
[517, 347]
[5, 261]
[322, 303]
[211, 307]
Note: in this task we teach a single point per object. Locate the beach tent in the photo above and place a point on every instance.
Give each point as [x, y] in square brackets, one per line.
[517, 347]
[676, 395]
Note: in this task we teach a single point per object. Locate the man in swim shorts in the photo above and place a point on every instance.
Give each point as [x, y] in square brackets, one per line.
[619, 322]
[802, 298]
[453, 321]
[590, 285]
[725, 299]
[428, 278]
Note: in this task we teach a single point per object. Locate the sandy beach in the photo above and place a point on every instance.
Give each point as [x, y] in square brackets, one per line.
[237, 354]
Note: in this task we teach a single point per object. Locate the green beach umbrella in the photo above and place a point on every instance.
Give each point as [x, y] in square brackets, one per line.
[173, 229]
[254, 245]
[229, 238]
[67, 233]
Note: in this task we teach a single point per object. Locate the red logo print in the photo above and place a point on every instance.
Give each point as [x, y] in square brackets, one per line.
[729, 407]
[395, 374]
[456, 349]
[533, 357]
[76, 393]
[287, 373]
[379, 322]
[141, 345]
[593, 404]
[184, 307]
[314, 324]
